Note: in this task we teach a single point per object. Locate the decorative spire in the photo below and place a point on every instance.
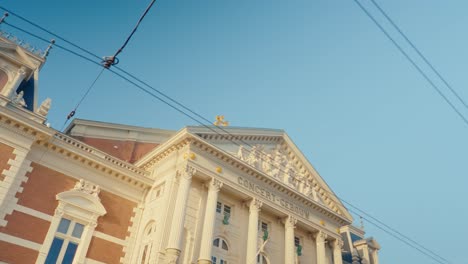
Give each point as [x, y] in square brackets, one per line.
[46, 52]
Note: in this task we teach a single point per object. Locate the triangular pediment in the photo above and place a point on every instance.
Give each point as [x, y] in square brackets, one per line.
[274, 153]
[19, 55]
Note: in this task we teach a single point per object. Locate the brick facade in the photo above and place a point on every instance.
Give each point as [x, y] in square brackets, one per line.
[126, 150]
[6, 153]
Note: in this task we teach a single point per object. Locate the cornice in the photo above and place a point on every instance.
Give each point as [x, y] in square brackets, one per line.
[96, 159]
[257, 203]
[184, 138]
[245, 168]
[74, 149]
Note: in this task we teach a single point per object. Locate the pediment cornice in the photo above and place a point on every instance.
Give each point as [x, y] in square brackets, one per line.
[330, 207]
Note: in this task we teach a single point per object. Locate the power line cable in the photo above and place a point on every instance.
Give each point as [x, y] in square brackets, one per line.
[167, 103]
[393, 230]
[400, 239]
[420, 54]
[109, 61]
[413, 63]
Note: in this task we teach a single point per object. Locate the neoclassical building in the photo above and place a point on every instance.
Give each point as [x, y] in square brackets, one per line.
[112, 193]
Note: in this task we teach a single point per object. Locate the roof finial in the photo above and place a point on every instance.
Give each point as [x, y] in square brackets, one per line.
[46, 52]
[362, 222]
[4, 17]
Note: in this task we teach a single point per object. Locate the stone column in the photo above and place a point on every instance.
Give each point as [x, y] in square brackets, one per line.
[375, 256]
[178, 218]
[15, 83]
[321, 240]
[254, 209]
[209, 222]
[289, 225]
[337, 257]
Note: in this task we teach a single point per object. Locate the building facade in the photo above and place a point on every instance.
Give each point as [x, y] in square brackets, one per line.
[111, 193]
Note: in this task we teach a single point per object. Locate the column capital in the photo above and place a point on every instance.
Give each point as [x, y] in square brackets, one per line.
[321, 236]
[290, 222]
[337, 244]
[255, 204]
[214, 185]
[22, 71]
[186, 172]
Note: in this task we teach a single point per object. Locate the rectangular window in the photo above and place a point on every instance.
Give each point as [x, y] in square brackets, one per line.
[227, 210]
[65, 242]
[219, 207]
[264, 227]
[213, 259]
[297, 241]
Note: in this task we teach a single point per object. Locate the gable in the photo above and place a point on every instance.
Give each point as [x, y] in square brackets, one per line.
[273, 153]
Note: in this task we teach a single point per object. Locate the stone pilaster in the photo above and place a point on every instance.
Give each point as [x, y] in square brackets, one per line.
[337, 257]
[321, 240]
[209, 222]
[289, 225]
[177, 227]
[252, 233]
[19, 77]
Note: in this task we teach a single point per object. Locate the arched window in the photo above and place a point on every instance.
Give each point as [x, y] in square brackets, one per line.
[262, 259]
[147, 242]
[3, 79]
[220, 251]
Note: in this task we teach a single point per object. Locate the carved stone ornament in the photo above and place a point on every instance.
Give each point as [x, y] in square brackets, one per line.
[215, 185]
[255, 204]
[338, 243]
[321, 236]
[19, 100]
[290, 221]
[44, 108]
[186, 172]
[87, 187]
[59, 212]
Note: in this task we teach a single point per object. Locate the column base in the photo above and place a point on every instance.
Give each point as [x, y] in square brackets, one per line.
[172, 254]
[203, 261]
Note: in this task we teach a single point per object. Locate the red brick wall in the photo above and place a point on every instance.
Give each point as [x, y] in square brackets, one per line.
[104, 251]
[6, 153]
[39, 194]
[129, 151]
[11, 253]
[117, 219]
[41, 188]
[26, 227]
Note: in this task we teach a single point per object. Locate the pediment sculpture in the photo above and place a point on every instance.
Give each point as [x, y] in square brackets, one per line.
[277, 165]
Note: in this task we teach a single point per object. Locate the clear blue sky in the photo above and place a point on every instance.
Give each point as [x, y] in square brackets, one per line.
[370, 124]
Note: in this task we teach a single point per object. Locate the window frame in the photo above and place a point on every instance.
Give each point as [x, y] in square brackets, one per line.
[82, 205]
[219, 253]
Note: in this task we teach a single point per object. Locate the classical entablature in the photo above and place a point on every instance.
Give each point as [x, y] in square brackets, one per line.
[267, 155]
[50, 141]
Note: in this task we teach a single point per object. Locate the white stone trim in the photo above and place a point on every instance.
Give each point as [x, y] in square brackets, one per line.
[110, 238]
[19, 241]
[130, 241]
[92, 261]
[81, 204]
[11, 184]
[33, 212]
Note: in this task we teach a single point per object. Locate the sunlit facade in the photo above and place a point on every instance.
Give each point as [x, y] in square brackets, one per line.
[111, 193]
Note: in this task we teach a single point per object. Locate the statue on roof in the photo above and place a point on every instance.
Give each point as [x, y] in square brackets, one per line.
[19, 100]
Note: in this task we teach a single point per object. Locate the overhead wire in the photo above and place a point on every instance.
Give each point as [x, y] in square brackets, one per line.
[170, 105]
[418, 51]
[412, 62]
[400, 239]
